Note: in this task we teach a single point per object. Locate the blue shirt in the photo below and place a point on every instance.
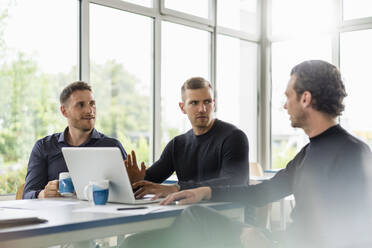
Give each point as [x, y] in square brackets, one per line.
[46, 159]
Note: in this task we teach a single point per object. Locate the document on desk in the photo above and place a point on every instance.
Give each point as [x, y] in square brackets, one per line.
[17, 217]
[122, 209]
[36, 204]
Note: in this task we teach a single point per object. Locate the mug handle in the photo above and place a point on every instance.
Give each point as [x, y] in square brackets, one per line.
[88, 192]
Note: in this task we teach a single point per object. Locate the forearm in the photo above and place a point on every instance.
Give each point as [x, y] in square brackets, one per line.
[206, 192]
[256, 195]
[223, 180]
[240, 178]
[172, 188]
[31, 194]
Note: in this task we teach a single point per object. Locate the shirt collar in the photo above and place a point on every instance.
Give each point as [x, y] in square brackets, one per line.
[93, 135]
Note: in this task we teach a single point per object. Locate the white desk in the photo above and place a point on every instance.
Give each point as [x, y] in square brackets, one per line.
[72, 223]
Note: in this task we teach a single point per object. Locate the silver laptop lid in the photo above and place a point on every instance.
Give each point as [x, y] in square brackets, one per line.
[96, 163]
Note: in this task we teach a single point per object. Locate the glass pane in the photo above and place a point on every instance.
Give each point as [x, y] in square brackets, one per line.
[357, 9]
[356, 54]
[121, 74]
[237, 86]
[145, 3]
[185, 54]
[301, 16]
[193, 7]
[287, 141]
[37, 59]
[238, 14]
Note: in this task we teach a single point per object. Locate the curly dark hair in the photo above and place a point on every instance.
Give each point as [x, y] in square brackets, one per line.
[323, 81]
[71, 88]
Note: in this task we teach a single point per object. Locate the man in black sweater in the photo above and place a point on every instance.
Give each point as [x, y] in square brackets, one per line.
[212, 153]
[330, 178]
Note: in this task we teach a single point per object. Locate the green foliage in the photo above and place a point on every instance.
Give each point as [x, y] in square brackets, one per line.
[123, 112]
[10, 180]
[29, 108]
[3, 17]
[282, 155]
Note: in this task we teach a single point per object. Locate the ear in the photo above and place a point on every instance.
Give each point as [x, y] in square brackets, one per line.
[63, 111]
[214, 104]
[181, 105]
[306, 99]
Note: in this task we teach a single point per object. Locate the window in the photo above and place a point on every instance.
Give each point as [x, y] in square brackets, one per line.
[145, 3]
[237, 86]
[121, 73]
[356, 54]
[37, 59]
[287, 141]
[238, 14]
[301, 16]
[354, 9]
[185, 54]
[194, 7]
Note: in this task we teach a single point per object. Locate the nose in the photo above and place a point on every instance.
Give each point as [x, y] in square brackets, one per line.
[285, 105]
[202, 108]
[89, 109]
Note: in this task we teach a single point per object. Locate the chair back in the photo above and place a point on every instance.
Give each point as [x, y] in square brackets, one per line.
[255, 169]
[20, 190]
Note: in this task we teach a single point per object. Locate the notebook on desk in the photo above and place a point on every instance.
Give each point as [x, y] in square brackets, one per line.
[16, 217]
[98, 163]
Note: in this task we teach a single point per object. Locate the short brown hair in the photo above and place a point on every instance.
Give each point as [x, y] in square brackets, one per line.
[71, 88]
[195, 83]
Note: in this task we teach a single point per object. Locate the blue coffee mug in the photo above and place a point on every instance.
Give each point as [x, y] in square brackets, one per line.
[97, 192]
[100, 195]
[65, 185]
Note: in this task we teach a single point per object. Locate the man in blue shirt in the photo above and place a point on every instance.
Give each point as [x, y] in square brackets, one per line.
[46, 159]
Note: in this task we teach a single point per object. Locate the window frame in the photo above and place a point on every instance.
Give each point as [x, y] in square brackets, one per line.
[160, 13]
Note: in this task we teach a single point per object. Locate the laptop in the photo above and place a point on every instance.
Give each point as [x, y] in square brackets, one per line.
[97, 163]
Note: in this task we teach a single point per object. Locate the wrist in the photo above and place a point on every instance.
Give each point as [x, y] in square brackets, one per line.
[173, 188]
[40, 194]
[207, 193]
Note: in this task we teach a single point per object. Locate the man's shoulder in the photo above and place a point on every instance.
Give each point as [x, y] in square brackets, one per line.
[228, 128]
[182, 137]
[225, 125]
[46, 144]
[350, 143]
[104, 138]
[49, 138]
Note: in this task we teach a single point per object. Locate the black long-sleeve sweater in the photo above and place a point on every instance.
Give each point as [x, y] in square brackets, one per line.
[218, 157]
[330, 179]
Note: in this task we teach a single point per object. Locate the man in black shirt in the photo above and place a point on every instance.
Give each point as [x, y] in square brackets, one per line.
[212, 153]
[46, 159]
[330, 177]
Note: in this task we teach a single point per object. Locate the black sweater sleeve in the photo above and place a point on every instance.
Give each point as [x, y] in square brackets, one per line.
[260, 194]
[163, 168]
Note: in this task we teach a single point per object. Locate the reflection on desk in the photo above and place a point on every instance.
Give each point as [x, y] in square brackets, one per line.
[71, 220]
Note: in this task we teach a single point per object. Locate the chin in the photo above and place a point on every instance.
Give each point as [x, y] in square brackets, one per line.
[203, 123]
[87, 128]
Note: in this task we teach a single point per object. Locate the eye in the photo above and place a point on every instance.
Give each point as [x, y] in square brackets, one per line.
[193, 102]
[81, 104]
[207, 101]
